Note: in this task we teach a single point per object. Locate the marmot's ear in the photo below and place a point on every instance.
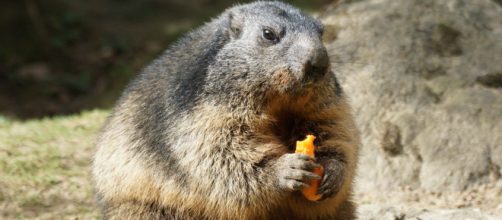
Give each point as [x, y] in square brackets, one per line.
[234, 26]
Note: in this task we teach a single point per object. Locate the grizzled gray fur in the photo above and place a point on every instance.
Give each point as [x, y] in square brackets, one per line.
[208, 130]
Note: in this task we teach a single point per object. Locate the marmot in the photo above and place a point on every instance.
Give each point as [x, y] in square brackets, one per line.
[208, 130]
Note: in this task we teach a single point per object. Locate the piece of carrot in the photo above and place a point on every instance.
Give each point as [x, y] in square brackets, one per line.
[307, 147]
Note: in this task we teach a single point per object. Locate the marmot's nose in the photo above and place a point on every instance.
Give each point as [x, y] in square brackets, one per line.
[317, 64]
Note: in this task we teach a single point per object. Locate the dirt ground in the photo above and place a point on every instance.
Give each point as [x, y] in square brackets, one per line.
[486, 198]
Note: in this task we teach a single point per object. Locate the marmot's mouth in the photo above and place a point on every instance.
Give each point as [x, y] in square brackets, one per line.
[286, 82]
[283, 78]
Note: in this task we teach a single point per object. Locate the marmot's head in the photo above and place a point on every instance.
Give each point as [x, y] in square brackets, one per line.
[273, 49]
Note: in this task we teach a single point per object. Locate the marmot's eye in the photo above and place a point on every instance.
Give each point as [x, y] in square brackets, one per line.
[269, 35]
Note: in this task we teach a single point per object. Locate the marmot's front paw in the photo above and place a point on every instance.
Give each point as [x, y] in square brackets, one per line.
[332, 179]
[293, 170]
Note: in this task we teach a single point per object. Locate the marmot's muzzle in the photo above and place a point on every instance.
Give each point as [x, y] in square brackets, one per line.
[312, 57]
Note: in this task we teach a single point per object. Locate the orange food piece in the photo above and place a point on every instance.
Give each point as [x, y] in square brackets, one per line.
[307, 147]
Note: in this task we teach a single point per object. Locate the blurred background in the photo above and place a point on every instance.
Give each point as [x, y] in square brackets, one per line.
[62, 56]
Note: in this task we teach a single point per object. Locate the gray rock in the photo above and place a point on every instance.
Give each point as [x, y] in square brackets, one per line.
[425, 80]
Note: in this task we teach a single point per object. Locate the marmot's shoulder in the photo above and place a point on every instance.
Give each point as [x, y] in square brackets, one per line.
[177, 75]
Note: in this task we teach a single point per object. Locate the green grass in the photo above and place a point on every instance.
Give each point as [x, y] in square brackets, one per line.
[45, 167]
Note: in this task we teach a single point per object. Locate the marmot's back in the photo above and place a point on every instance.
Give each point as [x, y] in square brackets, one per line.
[207, 130]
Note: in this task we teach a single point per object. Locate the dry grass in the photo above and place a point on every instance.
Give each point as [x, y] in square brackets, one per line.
[45, 167]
